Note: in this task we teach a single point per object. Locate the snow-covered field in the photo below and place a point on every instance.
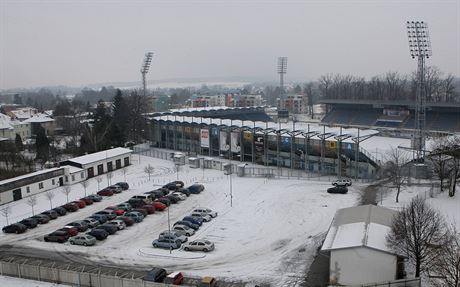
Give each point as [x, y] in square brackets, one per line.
[17, 282]
[269, 234]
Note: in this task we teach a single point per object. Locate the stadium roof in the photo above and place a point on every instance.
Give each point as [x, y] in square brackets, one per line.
[385, 103]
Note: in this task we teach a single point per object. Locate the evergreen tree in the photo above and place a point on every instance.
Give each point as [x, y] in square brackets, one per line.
[118, 129]
[42, 144]
[18, 142]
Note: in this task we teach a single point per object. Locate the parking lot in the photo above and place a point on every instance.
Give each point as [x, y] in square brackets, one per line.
[268, 235]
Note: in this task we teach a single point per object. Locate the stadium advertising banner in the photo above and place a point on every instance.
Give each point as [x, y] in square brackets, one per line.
[204, 135]
[223, 142]
[235, 145]
[259, 147]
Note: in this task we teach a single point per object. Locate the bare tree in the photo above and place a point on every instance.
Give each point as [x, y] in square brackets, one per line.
[85, 184]
[149, 170]
[67, 189]
[109, 176]
[419, 232]
[447, 266]
[50, 195]
[32, 201]
[440, 160]
[396, 160]
[99, 180]
[124, 170]
[5, 213]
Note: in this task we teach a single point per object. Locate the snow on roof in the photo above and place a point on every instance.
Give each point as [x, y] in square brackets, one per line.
[28, 175]
[206, 109]
[39, 118]
[24, 113]
[361, 226]
[102, 155]
[5, 122]
[72, 169]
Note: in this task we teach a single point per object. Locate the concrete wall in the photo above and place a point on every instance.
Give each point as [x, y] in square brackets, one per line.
[361, 265]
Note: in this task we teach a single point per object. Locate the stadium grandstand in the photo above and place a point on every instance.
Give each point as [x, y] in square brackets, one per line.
[399, 115]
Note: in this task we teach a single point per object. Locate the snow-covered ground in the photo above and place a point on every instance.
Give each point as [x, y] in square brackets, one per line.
[17, 282]
[269, 234]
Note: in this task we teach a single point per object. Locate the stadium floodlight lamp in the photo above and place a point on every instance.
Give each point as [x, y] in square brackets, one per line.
[282, 65]
[419, 39]
[146, 64]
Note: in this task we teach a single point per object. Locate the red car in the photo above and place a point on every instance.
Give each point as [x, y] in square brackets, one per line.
[149, 208]
[71, 206]
[117, 210]
[159, 206]
[175, 278]
[80, 203]
[71, 231]
[87, 200]
[105, 192]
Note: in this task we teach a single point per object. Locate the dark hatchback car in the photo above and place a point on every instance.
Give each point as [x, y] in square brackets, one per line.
[95, 197]
[155, 275]
[105, 192]
[60, 210]
[100, 234]
[174, 199]
[136, 202]
[149, 208]
[80, 225]
[15, 228]
[87, 200]
[141, 210]
[41, 218]
[196, 188]
[155, 193]
[109, 228]
[194, 220]
[29, 222]
[338, 189]
[188, 224]
[184, 191]
[72, 207]
[128, 221]
[99, 217]
[123, 185]
[57, 236]
[51, 214]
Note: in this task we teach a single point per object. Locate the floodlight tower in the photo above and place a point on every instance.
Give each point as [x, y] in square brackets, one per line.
[282, 69]
[420, 48]
[145, 69]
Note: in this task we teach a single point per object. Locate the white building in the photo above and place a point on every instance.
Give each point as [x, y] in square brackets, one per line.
[356, 241]
[73, 174]
[9, 128]
[98, 163]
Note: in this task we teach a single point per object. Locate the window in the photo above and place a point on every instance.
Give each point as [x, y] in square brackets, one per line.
[40, 185]
[66, 178]
[73, 177]
[82, 174]
[126, 159]
[53, 182]
[28, 189]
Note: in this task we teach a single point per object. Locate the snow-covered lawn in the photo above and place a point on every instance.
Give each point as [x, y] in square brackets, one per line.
[17, 282]
[269, 235]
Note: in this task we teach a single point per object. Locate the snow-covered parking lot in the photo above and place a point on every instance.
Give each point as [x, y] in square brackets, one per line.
[269, 234]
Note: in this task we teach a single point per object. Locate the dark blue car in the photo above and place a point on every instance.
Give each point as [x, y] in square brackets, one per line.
[194, 220]
[196, 188]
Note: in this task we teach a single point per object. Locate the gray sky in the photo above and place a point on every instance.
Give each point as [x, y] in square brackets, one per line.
[82, 42]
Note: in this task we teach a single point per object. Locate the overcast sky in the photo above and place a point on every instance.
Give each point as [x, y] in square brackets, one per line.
[83, 42]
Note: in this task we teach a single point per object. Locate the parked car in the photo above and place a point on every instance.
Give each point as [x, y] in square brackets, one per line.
[155, 193]
[184, 191]
[15, 228]
[29, 222]
[107, 212]
[141, 210]
[57, 236]
[72, 207]
[134, 215]
[204, 216]
[184, 230]
[41, 218]
[196, 188]
[194, 220]
[166, 243]
[95, 197]
[92, 222]
[87, 200]
[208, 281]
[115, 188]
[179, 195]
[342, 182]
[136, 202]
[118, 211]
[159, 206]
[164, 200]
[172, 235]
[155, 275]
[120, 224]
[60, 210]
[123, 185]
[205, 210]
[174, 185]
[110, 228]
[80, 225]
[175, 278]
[187, 223]
[338, 189]
[164, 190]
[199, 245]
[51, 214]
[99, 234]
[80, 203]
[128, 221]
[172, 198]
[149, 208]
[125, 206]
[148, 198]
[84, 239]
[71, 231]
[105, 192]
[100, 217]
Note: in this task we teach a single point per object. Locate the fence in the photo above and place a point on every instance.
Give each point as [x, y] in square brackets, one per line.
[396, 283]
[75, 275]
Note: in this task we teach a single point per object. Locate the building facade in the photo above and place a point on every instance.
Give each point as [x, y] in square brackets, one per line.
[296, 104]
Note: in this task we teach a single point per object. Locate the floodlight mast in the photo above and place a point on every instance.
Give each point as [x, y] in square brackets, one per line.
[282, 69]
[420, 48]
[145, 69]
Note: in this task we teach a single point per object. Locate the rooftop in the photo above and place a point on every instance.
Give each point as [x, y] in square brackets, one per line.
[39, 118]
[28, 175]
[97, 156]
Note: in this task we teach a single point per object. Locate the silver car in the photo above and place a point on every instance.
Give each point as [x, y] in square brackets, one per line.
[91, 222]
[120, 224]
[84, 239]
[173, 235]
[199, 245]
[207, 211]
[183, 230]
[203, 216]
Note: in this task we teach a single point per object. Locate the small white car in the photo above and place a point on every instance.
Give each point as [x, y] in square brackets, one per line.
[207, 211]
[180, 195]
[183, 230]
[199, 245]
[342, 182]
[120, 224]
[203, 216]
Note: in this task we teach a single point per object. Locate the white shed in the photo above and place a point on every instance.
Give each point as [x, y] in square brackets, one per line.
[356, 241]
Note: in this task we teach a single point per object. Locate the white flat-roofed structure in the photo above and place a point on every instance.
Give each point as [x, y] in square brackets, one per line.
[16, 188]
[356, 241]
[73, 174]
[101, 162]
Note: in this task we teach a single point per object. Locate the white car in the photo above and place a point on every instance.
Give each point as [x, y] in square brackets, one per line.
[207, 211]
[342, 182]
[183, 230]
[180, 195]
[203, 216]
[199, 245]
